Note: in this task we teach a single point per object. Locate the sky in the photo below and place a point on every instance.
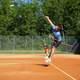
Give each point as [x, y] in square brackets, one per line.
[28, 0]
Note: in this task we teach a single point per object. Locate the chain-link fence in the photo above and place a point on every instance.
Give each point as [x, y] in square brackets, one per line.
[26, 44]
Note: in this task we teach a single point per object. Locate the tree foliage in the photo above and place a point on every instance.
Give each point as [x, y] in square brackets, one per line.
[23, 18]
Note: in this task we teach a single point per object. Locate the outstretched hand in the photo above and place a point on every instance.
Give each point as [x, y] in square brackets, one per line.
[47, 17]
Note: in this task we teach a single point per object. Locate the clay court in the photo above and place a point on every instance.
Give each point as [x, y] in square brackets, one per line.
[33, 67]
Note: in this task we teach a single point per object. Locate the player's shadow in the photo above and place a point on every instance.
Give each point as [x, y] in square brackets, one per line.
[43, 65]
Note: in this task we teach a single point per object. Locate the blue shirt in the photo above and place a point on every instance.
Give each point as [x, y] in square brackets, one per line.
[56, 33]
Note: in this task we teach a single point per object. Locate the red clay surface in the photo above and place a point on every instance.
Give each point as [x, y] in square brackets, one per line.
[33, 67]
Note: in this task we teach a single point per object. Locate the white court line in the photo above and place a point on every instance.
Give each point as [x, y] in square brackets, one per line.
[13, 63]
[63, 72]
[24, 73]
[8, 63]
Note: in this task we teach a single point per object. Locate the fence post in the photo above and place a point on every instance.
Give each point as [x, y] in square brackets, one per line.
[32, 43]
[0, 42]
[13, 44]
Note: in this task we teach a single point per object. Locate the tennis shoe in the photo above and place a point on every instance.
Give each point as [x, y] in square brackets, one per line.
[48, 60]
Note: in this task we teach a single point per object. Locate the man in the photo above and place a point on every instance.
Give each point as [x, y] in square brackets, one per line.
[56, 38]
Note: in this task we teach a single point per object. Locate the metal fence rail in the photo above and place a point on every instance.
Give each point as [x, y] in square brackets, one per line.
[32, 43]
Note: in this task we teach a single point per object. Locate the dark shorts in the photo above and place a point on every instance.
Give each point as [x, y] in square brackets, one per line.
[55, 44]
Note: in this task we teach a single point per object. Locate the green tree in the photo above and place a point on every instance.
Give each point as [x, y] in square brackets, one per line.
[72, 17]
[66, 12]
[20, 18]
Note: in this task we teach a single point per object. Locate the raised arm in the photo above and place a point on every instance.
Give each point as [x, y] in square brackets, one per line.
[50, 21]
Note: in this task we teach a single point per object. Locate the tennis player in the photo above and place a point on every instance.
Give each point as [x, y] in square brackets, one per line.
[55, 37]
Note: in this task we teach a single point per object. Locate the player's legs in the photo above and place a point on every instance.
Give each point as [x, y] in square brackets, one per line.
[48, 58]
[46, 51]
[51, 37]
[51, 52]
[54, 45]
